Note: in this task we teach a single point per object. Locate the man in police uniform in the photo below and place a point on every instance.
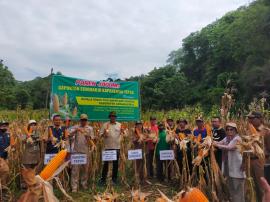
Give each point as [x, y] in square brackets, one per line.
[257, 166]
[81, 135]
[4, 139]
[218, 135]
[4, 145]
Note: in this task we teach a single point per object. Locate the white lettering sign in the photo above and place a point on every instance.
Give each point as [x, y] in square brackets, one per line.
[109, 155]
[166, 155]
[134, 154]
[78, 159]
[48, 157]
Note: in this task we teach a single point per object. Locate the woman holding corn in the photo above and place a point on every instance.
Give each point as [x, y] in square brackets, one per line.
[31, 154]
[232, 162]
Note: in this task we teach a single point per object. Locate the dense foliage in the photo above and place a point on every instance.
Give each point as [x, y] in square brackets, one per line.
[233, 52]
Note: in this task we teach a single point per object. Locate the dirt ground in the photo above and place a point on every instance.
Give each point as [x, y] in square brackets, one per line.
[124, 191]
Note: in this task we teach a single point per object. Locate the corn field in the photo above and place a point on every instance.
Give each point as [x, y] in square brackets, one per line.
[205, 174]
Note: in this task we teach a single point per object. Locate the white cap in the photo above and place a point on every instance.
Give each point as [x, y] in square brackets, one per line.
[31, 121]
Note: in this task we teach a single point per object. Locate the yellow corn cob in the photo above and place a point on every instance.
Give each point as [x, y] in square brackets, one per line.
[55, 103]
[252, 129]
[74, 112]
[208, 130]
[28, 132]
[65, 99]
[48, 171]
[182, 136]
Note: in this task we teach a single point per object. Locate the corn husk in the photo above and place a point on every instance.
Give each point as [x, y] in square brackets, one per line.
[75, 111]
[139, 196]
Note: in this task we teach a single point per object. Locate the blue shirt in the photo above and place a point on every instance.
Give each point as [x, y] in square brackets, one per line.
[60, 135]
[4, 143]
[203, 133]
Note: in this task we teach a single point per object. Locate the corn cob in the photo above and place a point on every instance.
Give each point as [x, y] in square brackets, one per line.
[208, 130]
[192, 194]
[252, 129]
[182, 136]
[74, 112]
[65, 99]
[12, 140]
[48, 171]
[50, 132]
[55, 103]
[28, 132]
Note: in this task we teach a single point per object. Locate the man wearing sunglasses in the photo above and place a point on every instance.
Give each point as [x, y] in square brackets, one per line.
[257, 166]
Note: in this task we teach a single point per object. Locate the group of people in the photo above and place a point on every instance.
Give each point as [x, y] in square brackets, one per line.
[151, 139]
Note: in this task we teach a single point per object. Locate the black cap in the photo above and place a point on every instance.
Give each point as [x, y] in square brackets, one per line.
[199, 119]
[153, 118]
[138, 122]
[254, 114]
[113, 113]
[169, 118]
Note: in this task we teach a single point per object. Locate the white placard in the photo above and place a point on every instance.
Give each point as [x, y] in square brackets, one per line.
[134, 154]
[48, 157]
[109, 155]
[166, 155]
[78, 159]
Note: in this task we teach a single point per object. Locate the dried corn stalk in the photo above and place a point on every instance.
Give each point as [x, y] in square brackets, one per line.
[139, 196]
[163, 197]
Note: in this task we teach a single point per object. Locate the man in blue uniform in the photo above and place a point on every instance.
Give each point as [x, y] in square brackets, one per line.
[56, 133]
[4, 139]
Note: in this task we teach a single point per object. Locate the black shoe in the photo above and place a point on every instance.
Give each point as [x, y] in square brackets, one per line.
[114, 182]
[101, 182]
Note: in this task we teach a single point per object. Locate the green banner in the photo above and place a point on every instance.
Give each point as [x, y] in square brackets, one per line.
[72, 97]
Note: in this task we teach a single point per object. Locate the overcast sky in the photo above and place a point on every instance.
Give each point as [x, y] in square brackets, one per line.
[92, 38]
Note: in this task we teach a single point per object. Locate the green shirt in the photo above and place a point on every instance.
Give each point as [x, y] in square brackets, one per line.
[162, 144]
